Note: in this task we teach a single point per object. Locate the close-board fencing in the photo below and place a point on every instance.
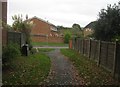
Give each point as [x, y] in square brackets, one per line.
[105, 54]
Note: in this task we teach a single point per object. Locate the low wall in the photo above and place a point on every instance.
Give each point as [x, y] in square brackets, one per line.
[47, 39]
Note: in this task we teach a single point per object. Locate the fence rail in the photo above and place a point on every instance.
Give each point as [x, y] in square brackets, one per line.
[105, 54]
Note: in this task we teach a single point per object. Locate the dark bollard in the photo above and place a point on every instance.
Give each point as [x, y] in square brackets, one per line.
[25, 50]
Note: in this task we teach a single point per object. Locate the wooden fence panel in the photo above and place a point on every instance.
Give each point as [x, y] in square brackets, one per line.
[73, 43]
[92, 51]
[117, 69]
[96, 50]
[86, 47]
[77, 45]
[103, 55]
[16, 37]
[111, 54]
[106, 54]
[81, 46]
[23, 39]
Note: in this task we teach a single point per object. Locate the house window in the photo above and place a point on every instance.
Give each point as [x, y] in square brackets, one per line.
[56, 35]
[31, 22]
[50, 34]
[88, 29]
[53, 28]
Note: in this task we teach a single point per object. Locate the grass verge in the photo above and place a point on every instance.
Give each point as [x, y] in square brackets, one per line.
[29, 70]
[45, 49]
[88, 69]
[48, 44]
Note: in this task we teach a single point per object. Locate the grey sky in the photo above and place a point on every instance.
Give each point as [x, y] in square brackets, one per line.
[59, 12]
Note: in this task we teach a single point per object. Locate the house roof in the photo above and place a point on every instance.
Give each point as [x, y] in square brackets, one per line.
[42, 21]
[90, 25]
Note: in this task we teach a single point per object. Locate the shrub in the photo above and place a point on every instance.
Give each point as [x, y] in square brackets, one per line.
[108, 23]
[33, 51]
[11, 51]
[116, 38]
[30, 46]
[67, 38]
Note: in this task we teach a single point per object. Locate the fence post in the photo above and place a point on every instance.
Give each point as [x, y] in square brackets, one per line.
[99, 52]
[89, 51]
[83, 46]
[69, 44]
[73, 44]
[107, 54]
[114, 61]
[77, 45]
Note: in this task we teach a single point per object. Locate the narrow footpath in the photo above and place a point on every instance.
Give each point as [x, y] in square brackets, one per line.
[62, 70]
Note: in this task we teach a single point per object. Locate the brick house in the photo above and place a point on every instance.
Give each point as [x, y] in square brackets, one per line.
[43, 31]
[89, 29]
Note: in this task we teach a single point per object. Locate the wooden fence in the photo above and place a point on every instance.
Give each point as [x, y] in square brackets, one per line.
[14, 37]
[105, 54]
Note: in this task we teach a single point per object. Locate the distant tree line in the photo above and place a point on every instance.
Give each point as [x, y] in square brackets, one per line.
[70, 32]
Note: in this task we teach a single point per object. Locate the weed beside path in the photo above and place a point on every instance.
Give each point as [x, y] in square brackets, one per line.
[45, 49]
[29, 70]
[88, 69]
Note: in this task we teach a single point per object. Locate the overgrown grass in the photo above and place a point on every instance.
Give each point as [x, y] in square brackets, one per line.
[29, 70]
[45, 49]
[48, 44]
[88, 69]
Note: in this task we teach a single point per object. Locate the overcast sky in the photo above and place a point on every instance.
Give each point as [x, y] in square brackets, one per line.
[59, 12]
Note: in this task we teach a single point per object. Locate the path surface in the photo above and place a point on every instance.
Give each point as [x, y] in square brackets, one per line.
[55, 47]
[62, 70]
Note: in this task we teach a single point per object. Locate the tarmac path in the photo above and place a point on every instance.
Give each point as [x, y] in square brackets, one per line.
[62, 70]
